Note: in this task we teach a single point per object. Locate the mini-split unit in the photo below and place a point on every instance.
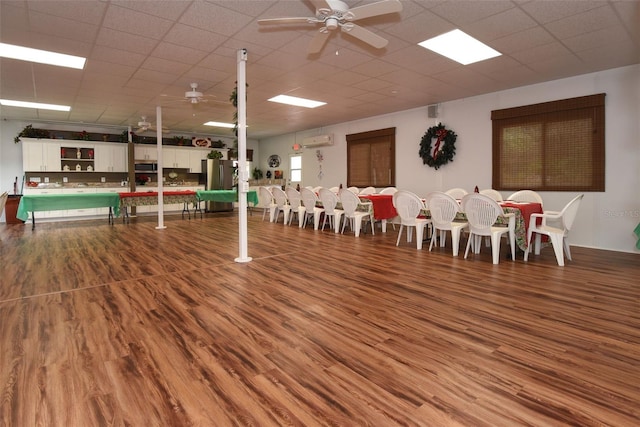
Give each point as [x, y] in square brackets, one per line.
[318, 141]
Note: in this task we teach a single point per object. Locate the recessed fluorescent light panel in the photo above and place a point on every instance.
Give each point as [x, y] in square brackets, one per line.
[23, 104]
[220, 125]
[298, 102]
[460, 47]
[41, 56]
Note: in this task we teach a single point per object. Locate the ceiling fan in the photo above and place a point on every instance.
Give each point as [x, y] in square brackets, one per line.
[333, 14]
[144, 126]
[193, 96]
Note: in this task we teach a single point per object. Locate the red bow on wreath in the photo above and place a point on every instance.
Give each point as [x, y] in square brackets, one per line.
[441, 134]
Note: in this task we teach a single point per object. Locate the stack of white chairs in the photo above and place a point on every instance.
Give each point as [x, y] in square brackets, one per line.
[409, 207]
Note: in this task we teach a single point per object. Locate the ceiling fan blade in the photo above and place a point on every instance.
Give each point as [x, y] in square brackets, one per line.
[318, 42]
[376, 9]
[297, 20]
[365, 35]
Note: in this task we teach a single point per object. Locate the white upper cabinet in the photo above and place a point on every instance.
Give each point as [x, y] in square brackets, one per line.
[146, 152]
[40, 155]
[111, 157]
[175, 157]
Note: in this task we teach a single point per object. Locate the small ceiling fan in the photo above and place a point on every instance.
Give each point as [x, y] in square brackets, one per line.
[333, 14]
[144, 126]
[193, 96]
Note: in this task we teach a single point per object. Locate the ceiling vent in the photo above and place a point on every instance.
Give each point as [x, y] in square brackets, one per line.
[318, 140]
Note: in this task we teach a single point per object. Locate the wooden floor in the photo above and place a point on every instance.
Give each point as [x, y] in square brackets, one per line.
[127, 325]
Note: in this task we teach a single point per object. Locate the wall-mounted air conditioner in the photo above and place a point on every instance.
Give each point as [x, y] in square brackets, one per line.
[318, 141]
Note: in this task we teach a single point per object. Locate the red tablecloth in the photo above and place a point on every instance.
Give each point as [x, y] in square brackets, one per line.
[526, 209]
[382, 205]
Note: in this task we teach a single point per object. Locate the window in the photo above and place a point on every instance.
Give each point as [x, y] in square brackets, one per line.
[553, 146]
[371, 158]
[295, 168]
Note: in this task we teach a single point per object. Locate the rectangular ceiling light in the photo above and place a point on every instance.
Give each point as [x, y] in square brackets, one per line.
[41, 56]
[298, 102]
[220, 125]
[460, 47]
[23, 104]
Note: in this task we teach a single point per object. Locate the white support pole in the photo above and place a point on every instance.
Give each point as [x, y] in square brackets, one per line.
[161, 225]
[243, 178]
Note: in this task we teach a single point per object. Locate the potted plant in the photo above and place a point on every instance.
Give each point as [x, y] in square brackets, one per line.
[214, 154]
[30, 132]
[257, 173]
[180, 140]
[218, 144]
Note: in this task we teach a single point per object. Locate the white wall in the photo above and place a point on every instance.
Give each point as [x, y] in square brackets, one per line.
[606, 220]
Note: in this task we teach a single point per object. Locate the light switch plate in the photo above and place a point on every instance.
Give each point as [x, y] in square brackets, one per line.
[103, 179]
[46, 179]
[65, 179]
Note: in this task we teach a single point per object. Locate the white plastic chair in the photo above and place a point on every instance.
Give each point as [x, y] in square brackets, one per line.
[329, 201]
[311, 210]
[494, 194]
[443, 209]
[457, 193]
[295, 201]
[557, 234]
[266, 203]
[388, 190]
[354, 190]
[282, 205]
[350, 202]
[367, 190]
[409, 205]
[482, 212]
[525, 196]
[335, 190]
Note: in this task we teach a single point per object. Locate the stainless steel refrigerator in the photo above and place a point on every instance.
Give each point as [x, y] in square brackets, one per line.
[217, 175]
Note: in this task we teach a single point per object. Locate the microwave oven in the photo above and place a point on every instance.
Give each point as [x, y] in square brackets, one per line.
[146, 167]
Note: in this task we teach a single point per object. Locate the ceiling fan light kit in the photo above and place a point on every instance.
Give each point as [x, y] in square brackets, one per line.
[336, 15]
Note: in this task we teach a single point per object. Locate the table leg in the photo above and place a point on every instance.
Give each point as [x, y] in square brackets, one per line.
[33, 220]
[110, 215]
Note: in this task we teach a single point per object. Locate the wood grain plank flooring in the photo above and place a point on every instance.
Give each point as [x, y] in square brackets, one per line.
[126, 325]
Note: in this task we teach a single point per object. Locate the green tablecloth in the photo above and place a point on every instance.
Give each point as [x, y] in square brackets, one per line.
[228, 196]
[637, 231]
[55, 202]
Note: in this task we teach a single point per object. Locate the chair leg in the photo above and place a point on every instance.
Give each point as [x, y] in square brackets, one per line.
[419, 234]
[455, 240]
[466, 252]
[556, 241]
[358, 226]
[567, 249]
[495, 247]
[431, 243]
[399, 235]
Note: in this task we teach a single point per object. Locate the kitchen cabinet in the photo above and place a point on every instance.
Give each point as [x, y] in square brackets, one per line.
[40, 155]
[146, 152]
[175, 157]
[79, 212]
[110, 157]
[196, 156]
[44, 214]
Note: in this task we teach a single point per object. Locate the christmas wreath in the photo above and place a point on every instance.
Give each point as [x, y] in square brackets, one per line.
[444, 149]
